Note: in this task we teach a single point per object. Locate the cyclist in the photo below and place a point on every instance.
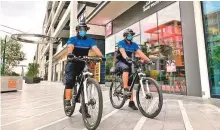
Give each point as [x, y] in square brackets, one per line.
[78, 45]
[126, 48]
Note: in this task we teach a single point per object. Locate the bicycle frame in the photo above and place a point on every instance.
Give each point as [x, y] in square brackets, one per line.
[141, 76]
[82, 84]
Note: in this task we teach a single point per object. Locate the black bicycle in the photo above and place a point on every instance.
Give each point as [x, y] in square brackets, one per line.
[85, 90]
[148, 93]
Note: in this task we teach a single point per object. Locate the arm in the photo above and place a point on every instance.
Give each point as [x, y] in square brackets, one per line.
[97, 51]
[142, 55]
[70, 48]
[70, 45]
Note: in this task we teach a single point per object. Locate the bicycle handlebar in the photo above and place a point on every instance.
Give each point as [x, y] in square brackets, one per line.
[87, 59]
[139, 62]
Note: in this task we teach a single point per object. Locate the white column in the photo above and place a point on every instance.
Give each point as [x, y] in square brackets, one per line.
[54, 71]
[50, 57]
[73, 18]
[201, 50]
[50, 62]
[59, 70]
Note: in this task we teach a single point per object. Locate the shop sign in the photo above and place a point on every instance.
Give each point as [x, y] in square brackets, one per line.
[150, 4]
[108, 29]
[171, 66]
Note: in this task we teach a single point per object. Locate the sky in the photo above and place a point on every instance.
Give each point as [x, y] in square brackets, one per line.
[211, 6]
[26, 16]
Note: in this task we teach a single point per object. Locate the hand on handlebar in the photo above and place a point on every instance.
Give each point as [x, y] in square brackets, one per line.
[70, 55]
[103, 58]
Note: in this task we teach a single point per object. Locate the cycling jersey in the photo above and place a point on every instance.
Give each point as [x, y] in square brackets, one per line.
[129, 49]
[81, 45]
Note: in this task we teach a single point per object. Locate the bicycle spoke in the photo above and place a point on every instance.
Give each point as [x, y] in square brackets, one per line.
[149, 105]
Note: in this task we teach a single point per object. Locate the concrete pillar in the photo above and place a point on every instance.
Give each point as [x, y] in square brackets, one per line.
[50, 62]
[73, 18]
[59, 70]
[54, 71]
[50, 57]
[201, 50]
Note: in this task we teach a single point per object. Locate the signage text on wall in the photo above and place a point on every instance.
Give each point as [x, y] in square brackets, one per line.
[150, 4]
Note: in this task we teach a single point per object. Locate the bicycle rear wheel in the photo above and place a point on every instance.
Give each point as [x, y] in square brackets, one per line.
[94, 105]
[149, 103]
[116, 93]
[69, 111]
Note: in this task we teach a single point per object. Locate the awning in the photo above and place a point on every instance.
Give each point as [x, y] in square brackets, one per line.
[107, 11]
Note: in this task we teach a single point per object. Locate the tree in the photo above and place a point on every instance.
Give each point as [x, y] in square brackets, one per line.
[13, 54]
[32, 70]
[216, 56]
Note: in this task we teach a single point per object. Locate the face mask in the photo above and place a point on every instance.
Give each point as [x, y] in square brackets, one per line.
[129, 37]
[82, 33]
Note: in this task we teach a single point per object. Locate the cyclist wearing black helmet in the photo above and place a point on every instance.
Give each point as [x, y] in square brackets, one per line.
[126, 48]
[78, 45]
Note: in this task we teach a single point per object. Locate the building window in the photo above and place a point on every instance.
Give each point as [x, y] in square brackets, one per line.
[161, 40]
[211, 18]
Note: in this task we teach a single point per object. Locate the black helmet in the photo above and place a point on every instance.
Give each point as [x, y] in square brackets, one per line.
[82, 24]
[127, 31]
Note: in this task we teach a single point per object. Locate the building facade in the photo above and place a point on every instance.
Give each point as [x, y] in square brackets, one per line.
[181, 35]
[60, 21]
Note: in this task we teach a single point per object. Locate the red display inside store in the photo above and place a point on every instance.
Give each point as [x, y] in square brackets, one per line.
[168, 34]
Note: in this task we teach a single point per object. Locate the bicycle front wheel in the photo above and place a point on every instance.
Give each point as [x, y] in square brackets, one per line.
[116, 93]
[149, 98]
[94, 107]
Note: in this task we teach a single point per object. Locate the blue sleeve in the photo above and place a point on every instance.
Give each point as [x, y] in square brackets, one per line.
[71, 40]
[120, 45]
[92, 43]
[136, 47]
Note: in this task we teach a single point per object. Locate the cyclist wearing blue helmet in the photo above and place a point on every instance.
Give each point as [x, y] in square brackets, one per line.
[78, 45]
[126, 48]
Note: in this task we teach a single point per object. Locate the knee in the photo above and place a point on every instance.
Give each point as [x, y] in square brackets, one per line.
[68, 86]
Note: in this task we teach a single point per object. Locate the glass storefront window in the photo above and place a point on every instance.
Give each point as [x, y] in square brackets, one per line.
[211, 18]
[149, 36]
[161, 39]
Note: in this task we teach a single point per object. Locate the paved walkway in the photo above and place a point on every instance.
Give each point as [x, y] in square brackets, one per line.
[39, 107]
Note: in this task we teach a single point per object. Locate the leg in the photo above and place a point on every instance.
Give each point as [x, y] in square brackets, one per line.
[125, 69]
[131, 103]
[73, 69]
[69, 80]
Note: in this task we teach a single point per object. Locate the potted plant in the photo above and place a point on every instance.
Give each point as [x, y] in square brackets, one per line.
[11, 56]
[31, 75]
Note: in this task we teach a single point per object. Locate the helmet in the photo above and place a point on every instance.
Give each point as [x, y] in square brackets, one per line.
[128, 31]
[82, 24]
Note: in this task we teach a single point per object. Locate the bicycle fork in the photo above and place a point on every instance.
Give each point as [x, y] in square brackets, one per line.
[143, 79]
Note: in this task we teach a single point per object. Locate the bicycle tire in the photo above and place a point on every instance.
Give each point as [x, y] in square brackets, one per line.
[71, 111]
[97, 122]
[160, 99]
[111, 99]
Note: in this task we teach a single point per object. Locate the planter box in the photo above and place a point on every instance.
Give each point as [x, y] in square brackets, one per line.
[32, 80]
[11, 83]
[29, 80]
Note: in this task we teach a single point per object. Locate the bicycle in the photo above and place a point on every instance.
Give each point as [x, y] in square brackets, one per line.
[117, 90]
[83, 93]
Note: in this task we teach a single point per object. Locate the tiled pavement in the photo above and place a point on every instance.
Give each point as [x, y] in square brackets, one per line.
[39, 107]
